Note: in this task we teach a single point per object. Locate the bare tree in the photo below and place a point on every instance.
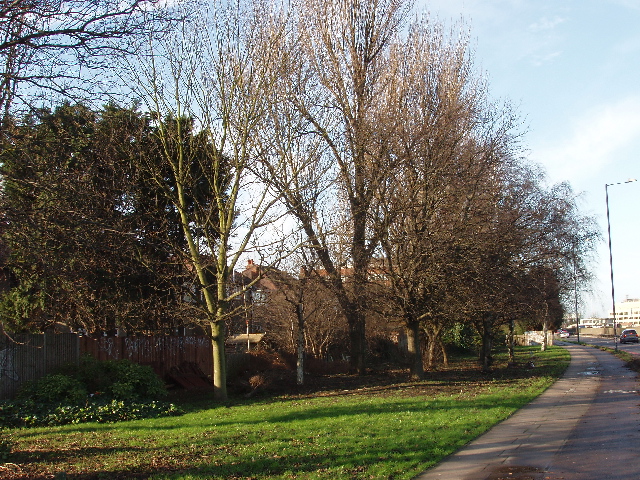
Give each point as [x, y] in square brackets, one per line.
[205, 77]
[333, 58]
[464, 220]
[401, 133]
[64, 46]
[304, 316]
[449, 144]
[524, 255]
[558, 247]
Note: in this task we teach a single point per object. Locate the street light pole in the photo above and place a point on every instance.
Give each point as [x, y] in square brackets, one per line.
[575, 291]
[613, 294]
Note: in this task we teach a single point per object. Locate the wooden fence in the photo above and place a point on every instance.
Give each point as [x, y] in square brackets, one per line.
[30, 357]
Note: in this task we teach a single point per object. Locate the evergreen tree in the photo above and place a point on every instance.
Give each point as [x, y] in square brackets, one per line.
[92, 241]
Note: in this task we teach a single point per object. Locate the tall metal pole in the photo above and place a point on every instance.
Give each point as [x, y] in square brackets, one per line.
[575, 291]
[613, 294]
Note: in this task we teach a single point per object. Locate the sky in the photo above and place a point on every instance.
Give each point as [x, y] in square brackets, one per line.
[572, 69]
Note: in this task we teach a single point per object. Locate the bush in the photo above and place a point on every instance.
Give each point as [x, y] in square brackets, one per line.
[6, 445]
[93, 391]
[117, 379]
[53, 389]
[461, 337]
[134, 382]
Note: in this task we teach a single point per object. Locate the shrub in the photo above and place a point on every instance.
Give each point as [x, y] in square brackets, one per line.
[93, 391]
[461, 337]
[117, 379]
[6, 445]
[134, 382]
[53, 389]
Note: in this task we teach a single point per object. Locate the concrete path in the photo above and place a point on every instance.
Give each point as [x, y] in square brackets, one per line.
[586, 426]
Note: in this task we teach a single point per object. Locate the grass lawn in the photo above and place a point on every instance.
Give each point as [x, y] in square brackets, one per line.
[389, 431]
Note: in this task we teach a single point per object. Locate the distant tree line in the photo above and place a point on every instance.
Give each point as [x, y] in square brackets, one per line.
[350, 135]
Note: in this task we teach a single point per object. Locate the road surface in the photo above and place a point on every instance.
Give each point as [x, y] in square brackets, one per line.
[585, 427]
[606, 342]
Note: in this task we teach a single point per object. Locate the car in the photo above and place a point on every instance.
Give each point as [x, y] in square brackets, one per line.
[629, 335]
[563, 333]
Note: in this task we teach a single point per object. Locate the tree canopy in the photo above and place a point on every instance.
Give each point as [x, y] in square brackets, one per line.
[93, 242]
[371, 133]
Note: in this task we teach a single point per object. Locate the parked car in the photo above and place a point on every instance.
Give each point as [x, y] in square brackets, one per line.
[629, 335]
[563, 333]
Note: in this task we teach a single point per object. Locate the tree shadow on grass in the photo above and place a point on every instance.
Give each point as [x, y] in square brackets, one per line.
[52, 456]
[353, 466]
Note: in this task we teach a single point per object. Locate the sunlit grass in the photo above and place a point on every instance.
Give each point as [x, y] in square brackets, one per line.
[391, 433]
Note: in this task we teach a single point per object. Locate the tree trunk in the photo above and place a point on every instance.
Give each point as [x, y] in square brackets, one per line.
[361, 257]
[416, 368]
[510, 342]
[219, 361]
[358, 342]
[218, 334]
[486, 358]
[300, 347]
[433, 331]
[545, 327]
[445, 357]
[431, 347]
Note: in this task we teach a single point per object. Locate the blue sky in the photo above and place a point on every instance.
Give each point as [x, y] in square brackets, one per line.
[572, 68]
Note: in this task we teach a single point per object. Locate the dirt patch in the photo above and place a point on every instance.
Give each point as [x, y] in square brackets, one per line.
[516, 472]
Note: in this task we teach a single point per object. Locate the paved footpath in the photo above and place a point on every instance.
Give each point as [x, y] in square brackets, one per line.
[586, 426]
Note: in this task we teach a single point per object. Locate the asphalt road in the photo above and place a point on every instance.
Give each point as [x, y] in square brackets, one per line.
[605, 444]
[584, 427]
[606, 342]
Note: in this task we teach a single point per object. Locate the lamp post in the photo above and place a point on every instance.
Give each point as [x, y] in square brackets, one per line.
[613, 294]
[575, 291]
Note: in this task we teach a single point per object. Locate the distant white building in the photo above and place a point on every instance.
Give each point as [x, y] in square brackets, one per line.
[570, 322]
[627, 311]
[593, 322]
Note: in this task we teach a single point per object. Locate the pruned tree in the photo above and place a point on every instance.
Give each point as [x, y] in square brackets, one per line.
[206, 76]
[450, 142]
[334, 80]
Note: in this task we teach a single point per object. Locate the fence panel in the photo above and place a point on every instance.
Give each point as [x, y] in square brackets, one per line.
[162, 353]
[32, 356]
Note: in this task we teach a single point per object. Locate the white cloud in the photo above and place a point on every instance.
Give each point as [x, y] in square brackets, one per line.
[546, 24]
[593, 141]
[633, 4]
[539, 60]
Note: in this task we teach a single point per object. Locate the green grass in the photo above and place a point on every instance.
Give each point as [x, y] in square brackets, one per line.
[373, 433]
